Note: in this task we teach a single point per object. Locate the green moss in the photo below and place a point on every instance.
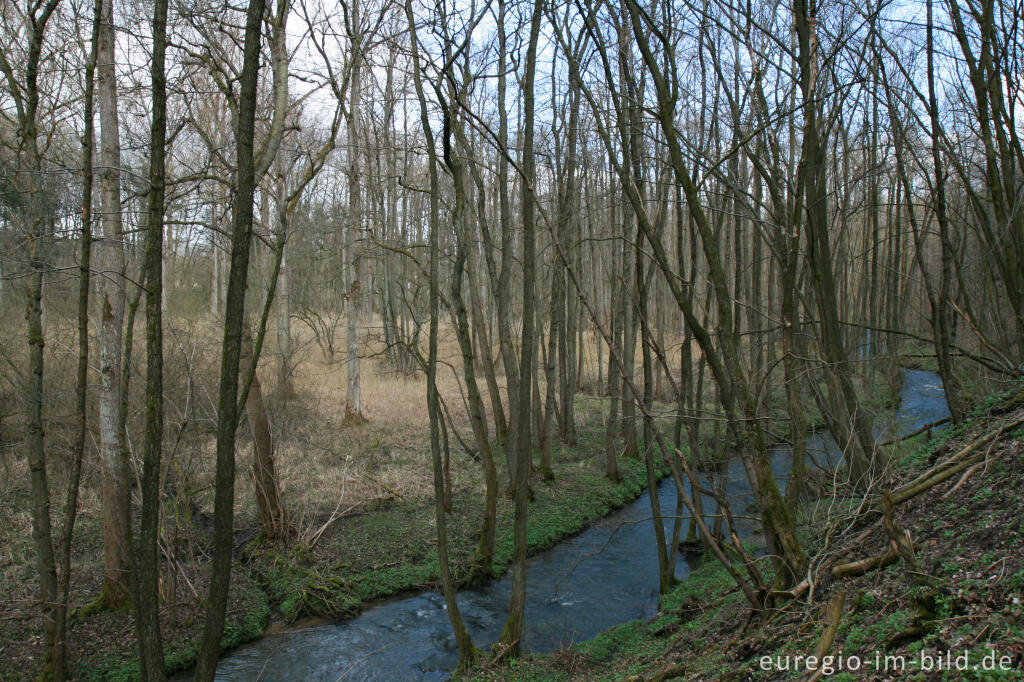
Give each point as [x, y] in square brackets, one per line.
[300, 586]
[246, 621]
[621, 639]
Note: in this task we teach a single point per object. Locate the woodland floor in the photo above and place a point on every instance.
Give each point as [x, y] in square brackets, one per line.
[971, 553]
[360, 498]
[365, 525]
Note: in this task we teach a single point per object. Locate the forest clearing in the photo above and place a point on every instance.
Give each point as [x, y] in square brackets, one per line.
[398, 340]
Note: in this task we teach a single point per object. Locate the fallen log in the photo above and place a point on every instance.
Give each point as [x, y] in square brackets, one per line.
[795, 593]
[835, 610]
[927, 427]
[862, 566]
[949, 467]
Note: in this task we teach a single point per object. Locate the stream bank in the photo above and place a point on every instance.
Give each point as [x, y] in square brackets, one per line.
[584, 585]
[381, 552]
[970, 535]
[384, 548]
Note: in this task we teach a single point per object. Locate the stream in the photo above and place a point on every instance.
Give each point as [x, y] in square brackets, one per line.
[606, 575]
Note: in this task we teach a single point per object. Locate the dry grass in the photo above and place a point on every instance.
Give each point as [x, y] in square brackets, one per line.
[324, 463]
[327, 466]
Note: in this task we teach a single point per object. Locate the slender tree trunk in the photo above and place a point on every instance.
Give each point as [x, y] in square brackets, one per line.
[510, 643]
[569, 233]
[467, 652]
[849, 423]
[794, 398]
[503, 290]
[234, 321]
[42, 533]
[269, 509]
[147, 602]
[284, 326]
[611, 431]
[33, 213]
[114, 479]
[460, 217]
[942, 317]
[353, 405]
[484, 350]
[215, 276]
[665, 568]
[60, 662]
[556, 329]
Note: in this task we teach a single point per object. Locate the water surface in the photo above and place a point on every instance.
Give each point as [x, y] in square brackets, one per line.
[606, 575]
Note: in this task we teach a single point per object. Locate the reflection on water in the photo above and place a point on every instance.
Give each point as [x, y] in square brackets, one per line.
[606, 575]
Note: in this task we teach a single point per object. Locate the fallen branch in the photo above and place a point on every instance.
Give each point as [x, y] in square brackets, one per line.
[866, 533]
[963, 479]
[835, 610]
[899, 537]
[948, 467]
[795, 593]
[927, 427]
[383, 485]
[862, 566]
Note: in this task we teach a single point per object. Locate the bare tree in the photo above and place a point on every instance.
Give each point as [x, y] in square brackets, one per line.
[23, 87]
[234, 319]
[112, 303]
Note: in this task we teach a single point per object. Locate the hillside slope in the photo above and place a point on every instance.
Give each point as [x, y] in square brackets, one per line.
[951, 609]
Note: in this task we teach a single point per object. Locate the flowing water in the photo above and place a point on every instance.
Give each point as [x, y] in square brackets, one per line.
[606, 575]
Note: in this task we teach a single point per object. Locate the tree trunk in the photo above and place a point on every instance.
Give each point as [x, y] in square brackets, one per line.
[234, 320]
[556, 329]
[284, 328]
[510, 643]
[147, 602]
[270, 510]
[28, 178]
[353, 404]
[942, 315]
[503, 289]
[114, 479]
[467, 652]
[849, 423]
[611, 431]
[460, 218]
[60, 663]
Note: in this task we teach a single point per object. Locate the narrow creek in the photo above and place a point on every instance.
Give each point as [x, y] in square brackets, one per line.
[606, 575]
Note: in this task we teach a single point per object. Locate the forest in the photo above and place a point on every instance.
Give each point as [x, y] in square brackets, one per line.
[553, 340]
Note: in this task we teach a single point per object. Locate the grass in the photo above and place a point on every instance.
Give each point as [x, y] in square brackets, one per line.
[378, 554]
[363, 491]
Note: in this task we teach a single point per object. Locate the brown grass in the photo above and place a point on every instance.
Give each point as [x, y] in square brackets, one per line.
[326, 466]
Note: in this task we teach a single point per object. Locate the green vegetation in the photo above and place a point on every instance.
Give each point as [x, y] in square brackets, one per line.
[971, 551]
[299, 582]
[117, 662]
[387, 549]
